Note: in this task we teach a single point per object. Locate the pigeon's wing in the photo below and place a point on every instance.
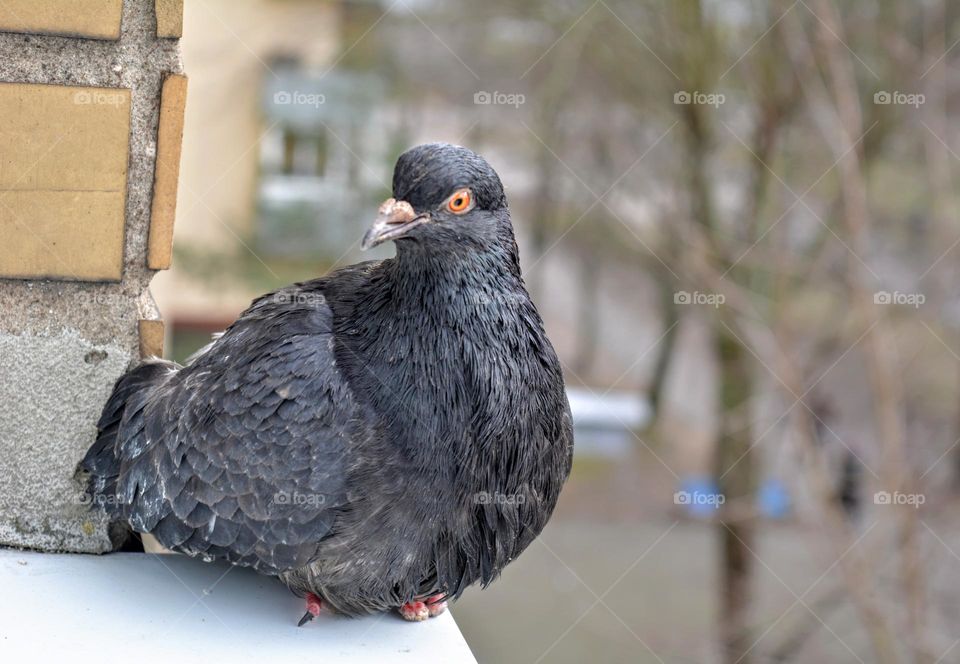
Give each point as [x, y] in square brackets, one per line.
[243, 454]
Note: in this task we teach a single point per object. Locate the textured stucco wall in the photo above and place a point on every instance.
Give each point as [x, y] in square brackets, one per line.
[49, 398]
[64, 343]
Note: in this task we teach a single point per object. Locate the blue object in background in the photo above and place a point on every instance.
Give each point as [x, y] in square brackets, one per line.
[699, 496]
[773, 499]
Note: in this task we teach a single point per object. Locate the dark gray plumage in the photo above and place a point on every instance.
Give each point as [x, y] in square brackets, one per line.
[395, 429]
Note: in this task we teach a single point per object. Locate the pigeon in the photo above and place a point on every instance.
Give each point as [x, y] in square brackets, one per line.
[380, 438]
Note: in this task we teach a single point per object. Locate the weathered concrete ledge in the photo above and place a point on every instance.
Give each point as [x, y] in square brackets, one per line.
[175, 608]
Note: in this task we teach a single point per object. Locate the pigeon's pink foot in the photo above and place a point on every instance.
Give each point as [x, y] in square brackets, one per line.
[313, 609]
[419, 610]
[436, 604]
[415, 611]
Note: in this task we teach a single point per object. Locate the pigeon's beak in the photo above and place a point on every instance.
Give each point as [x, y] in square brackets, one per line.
[394, 220]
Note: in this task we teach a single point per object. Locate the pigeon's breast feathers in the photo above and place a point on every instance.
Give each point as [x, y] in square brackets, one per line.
[444, 341]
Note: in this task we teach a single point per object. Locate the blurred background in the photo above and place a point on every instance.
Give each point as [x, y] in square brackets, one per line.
[739, 222]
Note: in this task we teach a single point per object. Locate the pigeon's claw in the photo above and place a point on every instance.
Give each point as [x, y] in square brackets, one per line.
[313, 609]
[436, 604]
[415, 611]
[419, 610]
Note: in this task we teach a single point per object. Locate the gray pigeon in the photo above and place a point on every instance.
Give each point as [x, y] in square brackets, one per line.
[379, 438]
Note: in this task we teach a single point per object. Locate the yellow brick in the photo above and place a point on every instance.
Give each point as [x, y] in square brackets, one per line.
[167, 170]
[169, 18]
[151, 338]
[96, 19]
[63, 176]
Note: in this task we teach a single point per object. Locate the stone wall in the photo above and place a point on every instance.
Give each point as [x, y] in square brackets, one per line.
[91, 116]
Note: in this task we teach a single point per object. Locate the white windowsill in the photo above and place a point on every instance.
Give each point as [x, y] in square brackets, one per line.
[141, 607]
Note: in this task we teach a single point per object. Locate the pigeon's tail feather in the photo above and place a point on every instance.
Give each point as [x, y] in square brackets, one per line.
[105, 456]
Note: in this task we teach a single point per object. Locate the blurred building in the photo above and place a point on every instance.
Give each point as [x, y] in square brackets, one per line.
[230, 143]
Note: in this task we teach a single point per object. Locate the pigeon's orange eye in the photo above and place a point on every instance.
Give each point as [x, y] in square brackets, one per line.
[459, 202]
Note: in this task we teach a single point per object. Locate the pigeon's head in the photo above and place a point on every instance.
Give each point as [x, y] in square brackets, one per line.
[443, 195]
